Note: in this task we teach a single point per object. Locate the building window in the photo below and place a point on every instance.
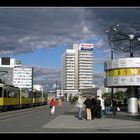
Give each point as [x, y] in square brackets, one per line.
[5, 61]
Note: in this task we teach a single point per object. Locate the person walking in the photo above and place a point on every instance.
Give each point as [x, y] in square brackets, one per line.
[88, 104]
[80, 105]
[107, 106]
[98, 107]
[114, 107]
[59, 103]
[103, 114]
[93, 108]
[53, 104]
[139, 106]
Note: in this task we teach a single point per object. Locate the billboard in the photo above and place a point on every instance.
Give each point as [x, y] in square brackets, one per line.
[86, 46]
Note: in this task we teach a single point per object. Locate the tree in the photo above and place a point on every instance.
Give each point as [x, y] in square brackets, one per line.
[120, 96]
[107, 94]
[73, 99]
[65, 95]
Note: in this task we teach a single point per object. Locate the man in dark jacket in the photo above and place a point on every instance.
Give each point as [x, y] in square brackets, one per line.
[114, 106]
[98, 107]
[93, 108]
[88, 104]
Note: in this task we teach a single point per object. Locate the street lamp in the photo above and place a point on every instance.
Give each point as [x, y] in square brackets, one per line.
[131, 37]
[110, 43]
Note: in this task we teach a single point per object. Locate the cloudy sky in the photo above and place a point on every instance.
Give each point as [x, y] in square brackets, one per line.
[39, 36]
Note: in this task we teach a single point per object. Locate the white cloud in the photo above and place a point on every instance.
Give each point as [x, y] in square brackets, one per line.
[85, 29]
[33, 28]
[24, 30]
[101, 43]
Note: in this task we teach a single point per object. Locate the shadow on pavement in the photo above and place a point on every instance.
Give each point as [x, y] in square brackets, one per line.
[125, 116]
[70, 113]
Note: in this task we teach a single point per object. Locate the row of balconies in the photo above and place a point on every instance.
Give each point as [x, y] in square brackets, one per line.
[84, 70]
[79, 75]
[85, 58]
[85, 62]
[85, 52]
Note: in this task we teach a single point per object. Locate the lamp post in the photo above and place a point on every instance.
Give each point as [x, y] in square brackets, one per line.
[131, 37]
[110, 44]
[56, 89]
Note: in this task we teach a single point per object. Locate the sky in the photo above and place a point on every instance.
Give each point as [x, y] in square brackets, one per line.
[38, 36]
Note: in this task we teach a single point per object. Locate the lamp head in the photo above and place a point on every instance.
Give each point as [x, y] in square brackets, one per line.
[131, 36]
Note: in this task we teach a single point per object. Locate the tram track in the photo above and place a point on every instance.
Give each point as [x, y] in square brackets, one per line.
[16, 113]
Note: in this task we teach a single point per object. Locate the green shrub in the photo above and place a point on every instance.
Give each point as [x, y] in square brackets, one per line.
[73, 99]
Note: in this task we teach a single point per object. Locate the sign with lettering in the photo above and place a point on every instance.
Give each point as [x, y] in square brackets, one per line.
[86, 46]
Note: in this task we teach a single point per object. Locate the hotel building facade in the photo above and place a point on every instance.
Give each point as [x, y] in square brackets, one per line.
[77, 68]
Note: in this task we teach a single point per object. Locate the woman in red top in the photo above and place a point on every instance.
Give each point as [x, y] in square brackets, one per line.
[53, 104]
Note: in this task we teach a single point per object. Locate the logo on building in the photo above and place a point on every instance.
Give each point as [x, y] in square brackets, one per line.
[86, 46]
[18, 62]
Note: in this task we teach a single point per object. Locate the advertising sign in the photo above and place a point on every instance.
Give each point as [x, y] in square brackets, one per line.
[18, 62]
[86, 46]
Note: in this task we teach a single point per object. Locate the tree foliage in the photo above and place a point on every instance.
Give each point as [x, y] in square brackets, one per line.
[118, 96]
[73, 99]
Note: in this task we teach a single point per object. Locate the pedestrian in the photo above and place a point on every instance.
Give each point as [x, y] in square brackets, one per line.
[107, 106]
[80, 105]
[59, 103]
[48, 100]
[114, 107]
[98, 107]
[102, 101]
[125, 101]
[88, 104]
[93, 108]
[139, 106]
[52, 105]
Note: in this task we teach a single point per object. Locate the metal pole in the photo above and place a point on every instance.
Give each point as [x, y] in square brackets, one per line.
[56, 88]
[111, 59]
[131, 48]
[111, 54]
[42, 96]
[112, 87]
[132, 91]
[32, 89]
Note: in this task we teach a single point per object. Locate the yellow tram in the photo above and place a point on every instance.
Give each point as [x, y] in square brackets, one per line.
[14, 98]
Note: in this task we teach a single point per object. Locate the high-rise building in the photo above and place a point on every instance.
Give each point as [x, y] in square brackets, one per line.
[68, 70]
[77, 67]
[7, 65]
[13, 73]
[22, 77]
